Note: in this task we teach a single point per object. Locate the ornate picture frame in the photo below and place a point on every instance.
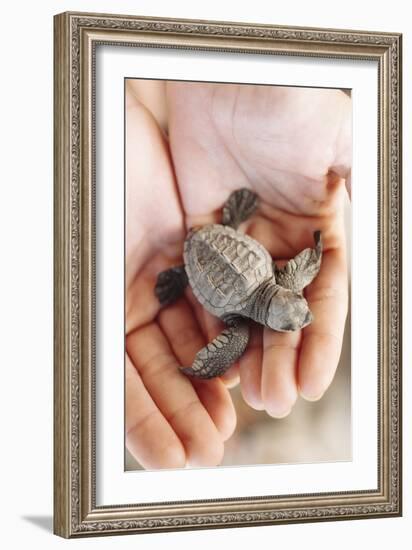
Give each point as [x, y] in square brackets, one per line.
[76, 36]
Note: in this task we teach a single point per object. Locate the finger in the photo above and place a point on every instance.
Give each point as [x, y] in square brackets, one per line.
[183, 333]
[198, 311]
[216, 398]
[280, 359]
[182, 330]
[322, 340]
[213, 325]
[143, 419]
[142, 304]
[250, 365]
[175, 396]
[231, 377]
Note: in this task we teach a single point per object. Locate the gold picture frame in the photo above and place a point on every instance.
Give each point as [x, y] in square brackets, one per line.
[75, 38]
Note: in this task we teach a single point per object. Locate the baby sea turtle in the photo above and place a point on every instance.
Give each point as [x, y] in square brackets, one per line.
[234, 278]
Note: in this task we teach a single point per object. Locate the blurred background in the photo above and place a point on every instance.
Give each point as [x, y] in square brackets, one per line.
[313, 432]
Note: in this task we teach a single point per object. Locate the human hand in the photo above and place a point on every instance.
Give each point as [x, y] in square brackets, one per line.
[171, 421]
[293, 147]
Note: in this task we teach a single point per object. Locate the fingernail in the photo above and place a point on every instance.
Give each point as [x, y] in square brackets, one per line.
[310, 396]
[231, 382]
[255, 404]
[253, 400]
[278, 413]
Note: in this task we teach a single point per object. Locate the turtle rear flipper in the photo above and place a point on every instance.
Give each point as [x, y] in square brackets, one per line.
[218, 356]
[171, 284]
[300, 271]
[240, 205]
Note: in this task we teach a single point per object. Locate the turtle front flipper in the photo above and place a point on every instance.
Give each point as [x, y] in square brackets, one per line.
[302, 269]
[240, 205]
[171, 284]
[218, 356]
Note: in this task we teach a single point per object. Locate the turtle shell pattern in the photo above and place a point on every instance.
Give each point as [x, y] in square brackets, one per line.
[224, 268]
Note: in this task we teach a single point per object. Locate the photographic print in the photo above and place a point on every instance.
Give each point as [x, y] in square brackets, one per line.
[227, 320]
[237, 274]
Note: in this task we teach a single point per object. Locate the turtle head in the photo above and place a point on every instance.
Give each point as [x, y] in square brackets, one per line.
[288, 311]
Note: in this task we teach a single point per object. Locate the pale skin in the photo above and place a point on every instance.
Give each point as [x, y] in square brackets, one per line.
[290, 145]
